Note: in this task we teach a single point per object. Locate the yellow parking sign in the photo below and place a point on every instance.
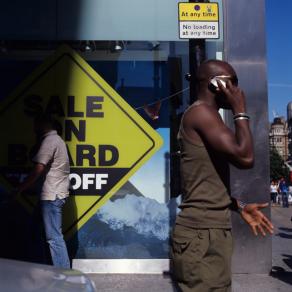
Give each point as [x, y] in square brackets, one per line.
[198, 20]
[198, 11]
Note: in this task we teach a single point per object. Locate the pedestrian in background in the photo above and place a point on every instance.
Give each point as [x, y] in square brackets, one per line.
[283, 187]
[274, 192]
[51, 163]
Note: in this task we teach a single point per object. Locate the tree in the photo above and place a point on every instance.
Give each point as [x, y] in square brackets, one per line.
[277, 167]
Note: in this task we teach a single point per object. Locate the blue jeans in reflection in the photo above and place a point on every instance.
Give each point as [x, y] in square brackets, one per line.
[285, 203]
[52, 217]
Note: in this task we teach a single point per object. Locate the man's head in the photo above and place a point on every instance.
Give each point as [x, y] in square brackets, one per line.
[210, 69]
[43, 123]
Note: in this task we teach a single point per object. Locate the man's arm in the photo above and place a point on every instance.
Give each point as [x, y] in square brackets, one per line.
[36, 172]
[41, 160]
[207, 122]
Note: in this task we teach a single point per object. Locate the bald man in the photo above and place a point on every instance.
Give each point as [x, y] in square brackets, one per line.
[202, 239]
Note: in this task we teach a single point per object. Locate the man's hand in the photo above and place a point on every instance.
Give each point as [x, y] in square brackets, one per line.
[35, 173]
[234, 95]
[258, 222]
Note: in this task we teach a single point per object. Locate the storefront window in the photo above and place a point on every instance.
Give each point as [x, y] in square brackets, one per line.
[150, 76]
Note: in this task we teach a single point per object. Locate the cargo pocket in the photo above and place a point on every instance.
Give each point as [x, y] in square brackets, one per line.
[187, 251]
[217, 269]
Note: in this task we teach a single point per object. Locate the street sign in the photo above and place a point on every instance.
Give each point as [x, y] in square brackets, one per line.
[107, 140]
[198, 20]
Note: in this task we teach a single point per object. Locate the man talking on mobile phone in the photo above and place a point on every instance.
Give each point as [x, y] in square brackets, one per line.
[202, 239]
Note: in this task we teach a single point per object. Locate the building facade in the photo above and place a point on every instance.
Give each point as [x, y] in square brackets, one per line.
[289, 122]
[278, 137]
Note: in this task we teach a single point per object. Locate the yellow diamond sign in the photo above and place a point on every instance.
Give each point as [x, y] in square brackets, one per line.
[107, 140]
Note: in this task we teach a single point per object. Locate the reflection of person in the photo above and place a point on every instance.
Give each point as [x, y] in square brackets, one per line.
[274, 192]
[51, 162]
[284, 193]
[201, 239]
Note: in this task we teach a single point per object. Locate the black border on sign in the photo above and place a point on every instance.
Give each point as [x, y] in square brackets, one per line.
[106, 93]
[178, 21]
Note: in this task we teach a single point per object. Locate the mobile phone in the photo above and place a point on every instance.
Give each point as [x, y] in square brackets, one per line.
[214, 83]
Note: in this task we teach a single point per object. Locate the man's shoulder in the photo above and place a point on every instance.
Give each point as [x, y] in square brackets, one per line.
[201, 113]
[50, 137]
[204, 107]
[53, 139]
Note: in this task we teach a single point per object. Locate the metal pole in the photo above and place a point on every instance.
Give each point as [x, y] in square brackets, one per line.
[196, 56]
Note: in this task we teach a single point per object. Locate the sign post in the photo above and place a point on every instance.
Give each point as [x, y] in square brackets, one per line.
[198, 21]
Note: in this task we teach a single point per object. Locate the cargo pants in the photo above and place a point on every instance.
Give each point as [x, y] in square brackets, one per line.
[201, 259]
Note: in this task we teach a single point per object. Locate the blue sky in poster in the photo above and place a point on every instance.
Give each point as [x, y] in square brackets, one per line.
[279, 55]
[150, 178]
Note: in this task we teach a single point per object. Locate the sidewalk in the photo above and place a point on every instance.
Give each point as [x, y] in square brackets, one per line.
[280, 279]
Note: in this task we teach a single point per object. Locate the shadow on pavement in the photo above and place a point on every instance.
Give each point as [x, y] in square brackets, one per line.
[287, 260]
[285, 229]
[281, 274]
[284, 235]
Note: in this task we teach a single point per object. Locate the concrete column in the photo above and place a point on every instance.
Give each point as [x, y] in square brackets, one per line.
[245, 49]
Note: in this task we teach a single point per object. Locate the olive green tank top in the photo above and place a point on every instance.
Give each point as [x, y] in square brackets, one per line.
[205, 175]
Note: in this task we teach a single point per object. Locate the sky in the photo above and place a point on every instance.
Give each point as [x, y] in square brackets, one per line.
[279, 55]
[150, 178]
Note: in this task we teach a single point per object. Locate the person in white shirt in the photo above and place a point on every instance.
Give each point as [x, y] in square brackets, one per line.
[52, 163]
[274, 192]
